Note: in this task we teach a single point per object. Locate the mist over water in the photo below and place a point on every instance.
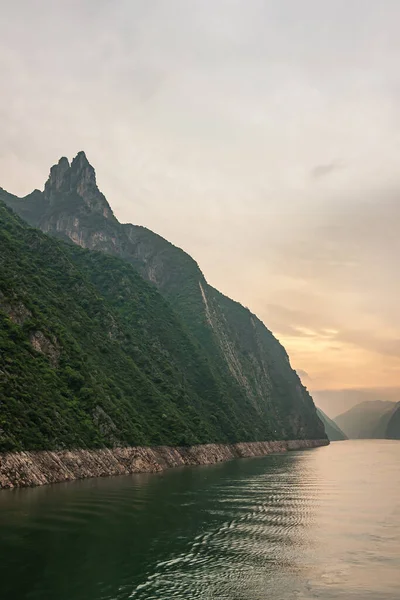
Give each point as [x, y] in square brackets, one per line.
[323, 523]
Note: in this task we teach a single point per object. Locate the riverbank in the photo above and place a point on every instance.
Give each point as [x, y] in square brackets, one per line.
[22, 469]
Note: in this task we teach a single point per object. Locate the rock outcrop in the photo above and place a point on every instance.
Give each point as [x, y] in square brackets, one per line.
[22, 469]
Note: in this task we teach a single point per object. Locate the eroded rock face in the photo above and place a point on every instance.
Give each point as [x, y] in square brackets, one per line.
[59, 180]
[77, 179]
[42, 344]
[21, 469]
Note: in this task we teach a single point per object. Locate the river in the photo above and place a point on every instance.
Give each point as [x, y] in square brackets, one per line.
[321, 523]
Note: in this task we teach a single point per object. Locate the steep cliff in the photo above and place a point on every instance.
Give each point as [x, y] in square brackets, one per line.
[19, 469]
[333, 431]
[251, 385]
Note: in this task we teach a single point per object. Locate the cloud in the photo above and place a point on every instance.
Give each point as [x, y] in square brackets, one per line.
[323, 170]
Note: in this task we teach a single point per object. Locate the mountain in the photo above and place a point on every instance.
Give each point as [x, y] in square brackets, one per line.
[392, 431]
[366, 420]
[332, 430]
[380, 431]
[95, 355]
[92, 355]
[336, 402]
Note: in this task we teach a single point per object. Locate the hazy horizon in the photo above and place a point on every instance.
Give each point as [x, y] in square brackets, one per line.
[261, 139]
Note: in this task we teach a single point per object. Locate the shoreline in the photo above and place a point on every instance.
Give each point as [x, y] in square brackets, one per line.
[33, 468]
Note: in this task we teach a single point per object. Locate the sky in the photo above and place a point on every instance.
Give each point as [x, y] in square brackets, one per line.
[262, 137]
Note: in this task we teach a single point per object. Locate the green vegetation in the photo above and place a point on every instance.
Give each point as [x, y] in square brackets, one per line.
[112, 369]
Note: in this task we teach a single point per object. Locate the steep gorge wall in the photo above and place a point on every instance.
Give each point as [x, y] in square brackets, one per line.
[251, 365]
[23, 469]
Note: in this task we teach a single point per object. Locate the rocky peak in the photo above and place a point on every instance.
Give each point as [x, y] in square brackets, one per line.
[76, 179]
[57, 179]
[83, 175]
[81, 161]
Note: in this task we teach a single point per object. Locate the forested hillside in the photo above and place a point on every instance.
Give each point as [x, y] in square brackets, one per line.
[188, 364]
[92, 355]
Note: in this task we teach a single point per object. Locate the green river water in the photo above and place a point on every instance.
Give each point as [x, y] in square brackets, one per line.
[322, 523]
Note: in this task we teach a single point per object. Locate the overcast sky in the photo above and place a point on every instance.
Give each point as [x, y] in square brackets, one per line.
[263, 137]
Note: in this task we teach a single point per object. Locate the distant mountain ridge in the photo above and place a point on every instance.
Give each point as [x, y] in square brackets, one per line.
[367, 420]
[255, 393]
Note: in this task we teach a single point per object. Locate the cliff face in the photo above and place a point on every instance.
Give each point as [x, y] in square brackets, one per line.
[250, 367]
[91, 355]
[23, 469]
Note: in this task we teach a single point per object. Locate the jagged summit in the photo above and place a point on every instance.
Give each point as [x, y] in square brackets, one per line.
[57, 179]
[77, 179]
[81, 158]
[69, 202]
